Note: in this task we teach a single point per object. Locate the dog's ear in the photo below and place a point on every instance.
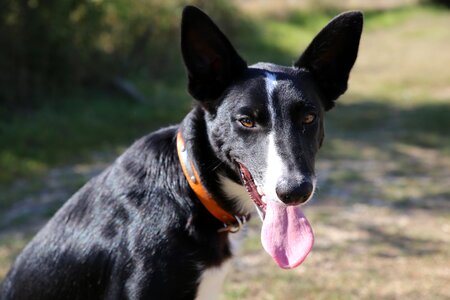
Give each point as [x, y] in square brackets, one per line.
[210, 59]
[332, 53]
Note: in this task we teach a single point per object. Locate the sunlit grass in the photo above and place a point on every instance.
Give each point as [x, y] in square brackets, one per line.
[403, 64]
[360, 252]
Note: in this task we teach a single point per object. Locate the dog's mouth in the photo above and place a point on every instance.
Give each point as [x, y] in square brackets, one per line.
[255, 191]
[286, 234]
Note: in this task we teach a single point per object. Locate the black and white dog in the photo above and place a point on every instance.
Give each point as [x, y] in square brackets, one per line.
[156, 224]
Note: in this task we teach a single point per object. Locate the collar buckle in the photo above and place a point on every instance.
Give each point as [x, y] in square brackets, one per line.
[234, 228]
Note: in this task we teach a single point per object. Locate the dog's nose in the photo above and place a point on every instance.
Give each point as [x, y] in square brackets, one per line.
[294, 193]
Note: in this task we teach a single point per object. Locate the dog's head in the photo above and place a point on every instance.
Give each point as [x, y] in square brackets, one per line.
[265, 121]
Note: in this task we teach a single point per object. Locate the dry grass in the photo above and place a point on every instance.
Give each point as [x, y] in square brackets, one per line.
[406, 62]
[361, 252]
[378, 236]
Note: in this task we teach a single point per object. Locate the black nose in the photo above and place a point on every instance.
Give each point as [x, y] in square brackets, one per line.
[294, 193]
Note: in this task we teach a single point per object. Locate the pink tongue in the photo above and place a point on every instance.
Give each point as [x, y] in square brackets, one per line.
[286, 234]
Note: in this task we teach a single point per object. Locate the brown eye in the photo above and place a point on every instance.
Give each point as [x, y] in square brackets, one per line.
[247, 122]
[309, 118]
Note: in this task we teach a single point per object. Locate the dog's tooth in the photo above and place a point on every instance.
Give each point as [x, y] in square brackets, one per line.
[260, 212]
[264, 199]
[260, 190]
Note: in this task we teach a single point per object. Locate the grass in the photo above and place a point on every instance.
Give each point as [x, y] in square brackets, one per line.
[69, 130]
[10, 246]
[381, 214]
[62, 131]
[361, 252]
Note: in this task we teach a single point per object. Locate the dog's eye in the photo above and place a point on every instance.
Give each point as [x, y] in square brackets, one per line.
[247, 122]
[309, 118]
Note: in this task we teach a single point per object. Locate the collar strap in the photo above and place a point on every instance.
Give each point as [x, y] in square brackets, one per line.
[231, 223]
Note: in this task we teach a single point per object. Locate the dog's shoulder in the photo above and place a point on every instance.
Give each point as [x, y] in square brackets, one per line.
[149, 148]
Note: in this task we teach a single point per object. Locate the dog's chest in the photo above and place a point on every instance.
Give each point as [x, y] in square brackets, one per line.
[211, 282]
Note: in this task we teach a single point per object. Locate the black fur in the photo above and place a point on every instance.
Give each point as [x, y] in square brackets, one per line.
[137, 231]
[211, 61]
[134, 232]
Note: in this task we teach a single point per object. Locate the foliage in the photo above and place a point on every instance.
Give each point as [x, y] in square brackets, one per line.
[442, 3]
[48, 47]
[45, 45]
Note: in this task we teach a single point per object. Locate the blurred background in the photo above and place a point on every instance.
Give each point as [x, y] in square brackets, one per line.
[80, 80]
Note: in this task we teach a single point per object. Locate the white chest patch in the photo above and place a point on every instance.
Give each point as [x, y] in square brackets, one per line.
[238, 193]
[211, 282]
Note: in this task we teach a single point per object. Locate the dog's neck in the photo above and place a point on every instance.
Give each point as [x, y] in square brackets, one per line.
[205, 172]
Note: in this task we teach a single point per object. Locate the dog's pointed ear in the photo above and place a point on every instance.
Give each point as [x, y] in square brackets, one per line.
[210, 59]
[332, 53]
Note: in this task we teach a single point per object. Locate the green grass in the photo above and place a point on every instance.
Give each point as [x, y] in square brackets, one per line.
[382, 20]
[10, 246]
[64, 131]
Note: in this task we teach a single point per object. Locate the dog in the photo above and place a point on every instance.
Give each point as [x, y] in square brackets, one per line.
[156, 223]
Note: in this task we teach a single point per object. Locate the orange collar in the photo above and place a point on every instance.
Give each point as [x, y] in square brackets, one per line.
[231, 223]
